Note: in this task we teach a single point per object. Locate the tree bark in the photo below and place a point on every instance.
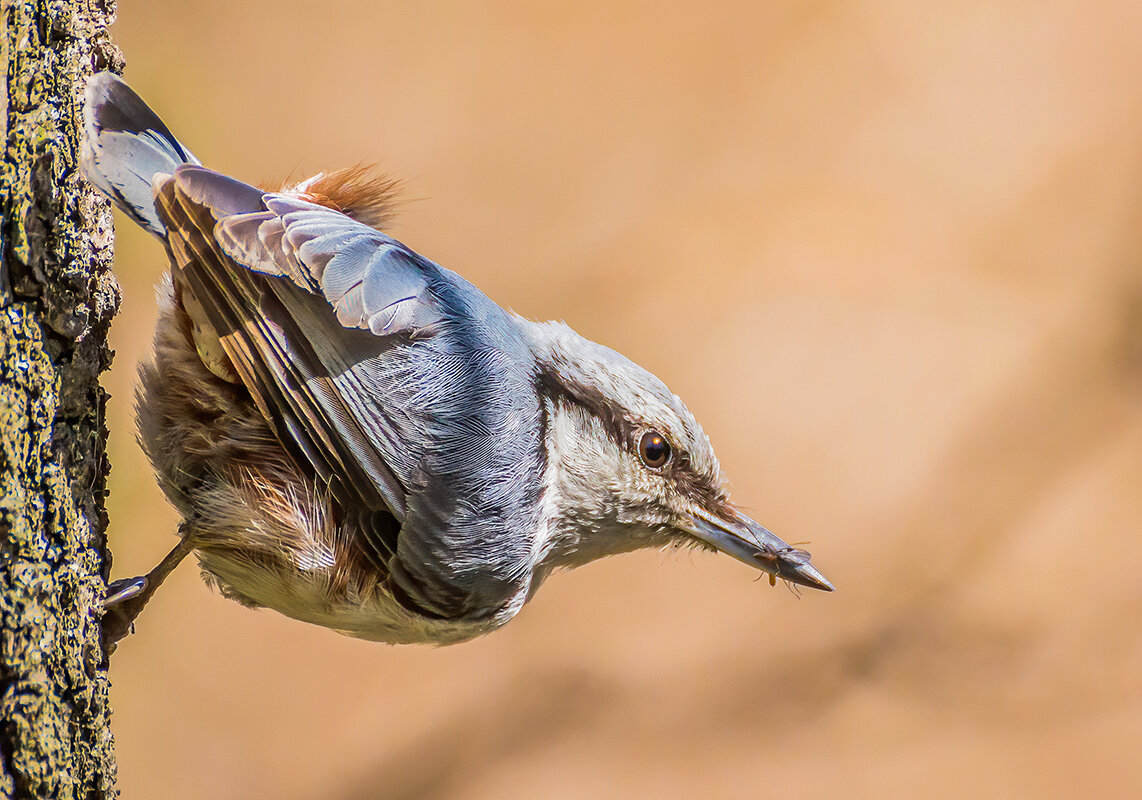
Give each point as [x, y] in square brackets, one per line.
[57, 297]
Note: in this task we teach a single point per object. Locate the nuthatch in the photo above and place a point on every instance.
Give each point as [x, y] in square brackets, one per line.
[360, 438]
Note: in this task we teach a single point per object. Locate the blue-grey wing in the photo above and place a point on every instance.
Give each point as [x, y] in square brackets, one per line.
[396, 377]
[125, 145]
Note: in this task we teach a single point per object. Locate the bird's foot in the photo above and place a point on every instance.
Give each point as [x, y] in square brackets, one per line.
[125, 598]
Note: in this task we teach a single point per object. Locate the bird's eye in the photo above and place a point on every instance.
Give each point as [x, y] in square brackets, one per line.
[654, 449]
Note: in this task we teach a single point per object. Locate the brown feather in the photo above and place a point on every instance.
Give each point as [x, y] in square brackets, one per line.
[361, 192]
[220, 463]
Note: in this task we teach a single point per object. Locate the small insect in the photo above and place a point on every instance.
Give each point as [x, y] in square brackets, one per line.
[780, 560]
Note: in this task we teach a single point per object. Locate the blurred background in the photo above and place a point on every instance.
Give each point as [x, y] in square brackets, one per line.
[887, 251]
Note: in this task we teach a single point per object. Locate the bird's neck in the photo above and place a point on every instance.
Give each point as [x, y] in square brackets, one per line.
[579, 519]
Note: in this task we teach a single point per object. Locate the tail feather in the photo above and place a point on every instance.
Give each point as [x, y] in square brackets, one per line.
[125, 146]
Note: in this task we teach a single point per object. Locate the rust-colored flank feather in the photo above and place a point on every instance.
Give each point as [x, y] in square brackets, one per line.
[362, 192]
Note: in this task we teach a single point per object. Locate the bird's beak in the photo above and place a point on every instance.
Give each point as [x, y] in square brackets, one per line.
[747, 541]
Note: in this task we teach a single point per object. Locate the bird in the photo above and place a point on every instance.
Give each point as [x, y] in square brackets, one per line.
[358, 437]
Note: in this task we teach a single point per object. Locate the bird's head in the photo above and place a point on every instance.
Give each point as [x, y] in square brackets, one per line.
[629, 467]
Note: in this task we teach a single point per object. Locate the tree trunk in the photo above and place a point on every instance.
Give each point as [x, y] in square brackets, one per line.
[57, 297]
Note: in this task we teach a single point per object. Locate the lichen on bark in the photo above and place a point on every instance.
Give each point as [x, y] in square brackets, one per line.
[57, 297]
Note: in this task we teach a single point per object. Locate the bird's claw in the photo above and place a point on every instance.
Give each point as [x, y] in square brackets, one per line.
[123, 589]
[124, 600]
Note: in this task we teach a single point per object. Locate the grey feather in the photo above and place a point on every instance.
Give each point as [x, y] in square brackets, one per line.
[125, 145]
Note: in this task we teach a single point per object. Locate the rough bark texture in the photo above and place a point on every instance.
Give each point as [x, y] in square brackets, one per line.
[57, 296]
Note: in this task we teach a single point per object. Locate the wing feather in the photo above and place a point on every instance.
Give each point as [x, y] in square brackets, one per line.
[287, 382]
[401, 384]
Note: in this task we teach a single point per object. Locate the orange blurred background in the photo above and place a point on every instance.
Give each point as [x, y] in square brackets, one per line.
[889, 253]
